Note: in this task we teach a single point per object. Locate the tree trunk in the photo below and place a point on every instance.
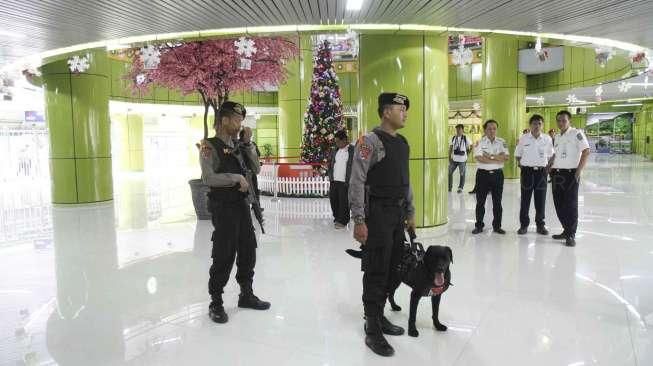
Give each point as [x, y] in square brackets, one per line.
[206, 115]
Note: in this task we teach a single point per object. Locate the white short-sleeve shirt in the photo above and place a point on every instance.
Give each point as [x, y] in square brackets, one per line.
[496, 147]
[568, 148]
[534, 152]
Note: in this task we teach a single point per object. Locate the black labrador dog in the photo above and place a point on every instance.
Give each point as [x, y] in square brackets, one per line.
[430, 277]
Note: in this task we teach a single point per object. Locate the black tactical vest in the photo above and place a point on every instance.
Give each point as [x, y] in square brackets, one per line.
[229, 163]
[389, 178]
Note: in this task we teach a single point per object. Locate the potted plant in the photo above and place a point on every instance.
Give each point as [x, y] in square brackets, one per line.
[213, 68]
[267, 152]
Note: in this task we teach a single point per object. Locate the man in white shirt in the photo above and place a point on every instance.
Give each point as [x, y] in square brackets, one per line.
[533, 152]
[490, 154]
[339, 171]
[458, 147]
[571, 150]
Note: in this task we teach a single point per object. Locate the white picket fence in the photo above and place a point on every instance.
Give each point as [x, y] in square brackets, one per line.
[268, 181]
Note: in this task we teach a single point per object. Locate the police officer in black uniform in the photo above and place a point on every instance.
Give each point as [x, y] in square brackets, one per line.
[380, 173]
[225, 163]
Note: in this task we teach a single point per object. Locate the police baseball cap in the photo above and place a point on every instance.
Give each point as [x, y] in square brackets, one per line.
[393, 98]
[233, 107]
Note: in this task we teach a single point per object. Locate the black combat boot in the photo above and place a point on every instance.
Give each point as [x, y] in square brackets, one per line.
[374, 338]
[216, 311]
[389, 328]
[248, 300]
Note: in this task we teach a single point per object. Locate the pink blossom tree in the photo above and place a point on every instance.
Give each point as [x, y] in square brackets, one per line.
[213, 68]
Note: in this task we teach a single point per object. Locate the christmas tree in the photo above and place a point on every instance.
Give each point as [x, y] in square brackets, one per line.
[323, 117]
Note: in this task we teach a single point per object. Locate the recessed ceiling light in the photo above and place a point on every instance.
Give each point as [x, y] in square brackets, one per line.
[354, 4]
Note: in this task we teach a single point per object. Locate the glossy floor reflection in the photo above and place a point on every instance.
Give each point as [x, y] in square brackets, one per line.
[107, 286]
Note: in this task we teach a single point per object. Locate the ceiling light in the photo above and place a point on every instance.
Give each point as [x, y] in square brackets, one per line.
[354, 4]
[627, 105]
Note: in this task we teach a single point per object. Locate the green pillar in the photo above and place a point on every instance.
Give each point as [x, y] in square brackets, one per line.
[293, 99]
[77, 111]
[414, 65]
[131, 139]
[504, 92]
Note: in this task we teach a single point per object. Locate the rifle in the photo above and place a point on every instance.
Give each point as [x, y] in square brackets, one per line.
[256, 204]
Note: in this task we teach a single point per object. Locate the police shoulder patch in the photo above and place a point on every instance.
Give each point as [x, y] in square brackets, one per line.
[579, 136]
[205, 150]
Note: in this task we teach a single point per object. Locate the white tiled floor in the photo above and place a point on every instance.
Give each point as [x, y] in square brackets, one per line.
[106, 286]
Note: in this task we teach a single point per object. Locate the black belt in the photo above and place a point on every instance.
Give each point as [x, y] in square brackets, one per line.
[564, 170]
[535, 168]
[389, 200]
[491, 171]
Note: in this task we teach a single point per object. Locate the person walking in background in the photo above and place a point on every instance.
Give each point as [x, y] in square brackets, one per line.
[339, 171]
[458, 148]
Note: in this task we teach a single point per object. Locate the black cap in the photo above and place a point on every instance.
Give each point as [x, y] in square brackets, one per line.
[393, 98]
[234, 107]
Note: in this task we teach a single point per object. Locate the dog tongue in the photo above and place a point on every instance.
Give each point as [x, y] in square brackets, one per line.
[439, 279]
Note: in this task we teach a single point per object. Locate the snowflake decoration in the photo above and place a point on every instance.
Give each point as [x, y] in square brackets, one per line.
[141, 79]
[540, 100]
[624, 87]
[461, 55]
[572, 99]
[151, 57]
[245, 46]
[598, 93]
[78, 64]
[476, 106]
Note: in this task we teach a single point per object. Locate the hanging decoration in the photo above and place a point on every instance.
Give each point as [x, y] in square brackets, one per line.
[462, 56]
[598, 93]
[78, 64]
[476, 106]
[624, 87]
[572, 99]
[603, 55]
[637, 57]
[141, 79]
[246, 48]
[540, 100]
[459, 114]
[542, 54]
[151, 57]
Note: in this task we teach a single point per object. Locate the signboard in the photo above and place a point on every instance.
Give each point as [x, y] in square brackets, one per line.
[34, 117]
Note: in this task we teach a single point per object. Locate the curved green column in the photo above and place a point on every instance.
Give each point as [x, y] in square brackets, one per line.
[293, 99]
[417, 66]
[503, 92]
[77, 111]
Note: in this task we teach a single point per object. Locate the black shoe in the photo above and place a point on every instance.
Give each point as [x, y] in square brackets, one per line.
[570, 242]
[375, 340]
[250, 301]
[499, 231]
[522, 230]
[542, 230]
[477, 230]
[217, 314]
[560, 236]
[389, 328]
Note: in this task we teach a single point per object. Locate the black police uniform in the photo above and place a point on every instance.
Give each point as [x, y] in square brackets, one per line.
[234, 231]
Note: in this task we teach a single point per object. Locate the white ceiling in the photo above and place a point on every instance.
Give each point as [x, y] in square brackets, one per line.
[34, 26]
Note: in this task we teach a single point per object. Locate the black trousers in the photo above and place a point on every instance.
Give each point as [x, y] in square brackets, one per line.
[382, 254]
[564, 187]
[489, 181]
[338, 195]
[533, 183]
[233, 237]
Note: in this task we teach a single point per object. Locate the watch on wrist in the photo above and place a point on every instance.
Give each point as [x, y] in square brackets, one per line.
[359, 220]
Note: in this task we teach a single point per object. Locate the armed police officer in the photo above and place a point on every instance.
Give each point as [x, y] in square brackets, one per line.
[226, 162]
[380, 174]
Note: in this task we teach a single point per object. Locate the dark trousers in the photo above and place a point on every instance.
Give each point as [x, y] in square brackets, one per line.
[564, 187]
[533, 183]
[382, 254]
[489, 181]
[462, 167]
[338, 195]
[233, 237]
